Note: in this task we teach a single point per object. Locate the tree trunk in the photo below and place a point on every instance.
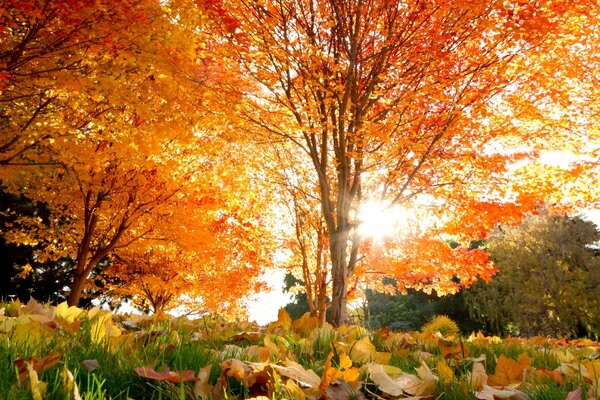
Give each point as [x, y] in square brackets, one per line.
[339, 275]
[76, 290]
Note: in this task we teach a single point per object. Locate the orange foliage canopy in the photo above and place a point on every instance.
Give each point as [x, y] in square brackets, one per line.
[112, 116]
[413, 103]
[129, 119]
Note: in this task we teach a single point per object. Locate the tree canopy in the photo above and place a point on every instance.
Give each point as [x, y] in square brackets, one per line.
[191, 139]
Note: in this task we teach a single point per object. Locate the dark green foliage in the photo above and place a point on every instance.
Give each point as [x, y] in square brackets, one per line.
[299, 304]
[411, 311]
[47, 281]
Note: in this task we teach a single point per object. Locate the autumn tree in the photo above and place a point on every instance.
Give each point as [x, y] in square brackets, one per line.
[548, 275]
[394, 101]
[116, 127]
[306, 238]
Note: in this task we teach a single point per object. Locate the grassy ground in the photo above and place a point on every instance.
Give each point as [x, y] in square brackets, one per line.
[68, 353]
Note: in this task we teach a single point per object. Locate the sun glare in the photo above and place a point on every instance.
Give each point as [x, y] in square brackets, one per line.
[378, 220]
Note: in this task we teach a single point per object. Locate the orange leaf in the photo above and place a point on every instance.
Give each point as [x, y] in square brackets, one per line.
[509, 371]
[169, 376]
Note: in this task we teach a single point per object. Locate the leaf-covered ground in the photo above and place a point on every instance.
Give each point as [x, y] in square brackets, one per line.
[68, 353]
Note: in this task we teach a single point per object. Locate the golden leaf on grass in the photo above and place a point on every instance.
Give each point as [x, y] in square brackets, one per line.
[305, 324]
[37, 387]
[257, 377]
[570, 370]
[445, 372]
[592, 370]
[507, 392]
[543, 374]
[68, 314]
[259, 353]
[32, 330]
[402, 384]
[277, 345]
[563, 356]
[458, 351]
[293, 391]
[283, 323]
[351, 332]
[101, 325]
[399, 341]
[70, 388]
[343, 370]
[428, 381]
[364, 351]
[509, 371]
[298, 373]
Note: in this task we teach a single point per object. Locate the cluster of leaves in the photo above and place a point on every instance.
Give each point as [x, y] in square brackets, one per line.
[66, 352]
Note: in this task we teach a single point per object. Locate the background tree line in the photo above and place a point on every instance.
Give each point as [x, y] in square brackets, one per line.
[547, 284]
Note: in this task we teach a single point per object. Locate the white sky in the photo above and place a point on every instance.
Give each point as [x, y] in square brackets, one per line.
[263, 307]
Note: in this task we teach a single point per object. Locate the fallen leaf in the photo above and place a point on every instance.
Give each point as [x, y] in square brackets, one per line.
[403, 384]
[575, 394]
[341, 390]
[445, 373]
[35, 386]
[507, 392]
[478, 377]
[364, 351]
[428, 381]
[202, 387]
[169, 376]
[283, 323]
[298, 373]
[70, 386]
[90, 365]
[508, 371]
[305, 324]
[37, 365]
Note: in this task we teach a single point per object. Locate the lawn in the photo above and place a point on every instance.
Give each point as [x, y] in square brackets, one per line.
[68, 353]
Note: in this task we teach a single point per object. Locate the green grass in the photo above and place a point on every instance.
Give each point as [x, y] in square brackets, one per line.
[179, 345]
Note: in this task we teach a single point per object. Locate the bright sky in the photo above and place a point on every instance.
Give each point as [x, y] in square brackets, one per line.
[263, 307]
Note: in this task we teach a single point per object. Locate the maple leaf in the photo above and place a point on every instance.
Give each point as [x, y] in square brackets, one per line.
[342, 369]
[509, 371]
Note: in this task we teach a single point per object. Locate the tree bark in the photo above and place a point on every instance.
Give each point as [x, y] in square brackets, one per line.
[339, 313]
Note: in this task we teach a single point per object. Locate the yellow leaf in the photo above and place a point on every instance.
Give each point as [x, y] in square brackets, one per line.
[67, 313]
[428, 381]
[37, 387]
[364, 351]
[283, 323]
[305, 324]
[445, 372]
